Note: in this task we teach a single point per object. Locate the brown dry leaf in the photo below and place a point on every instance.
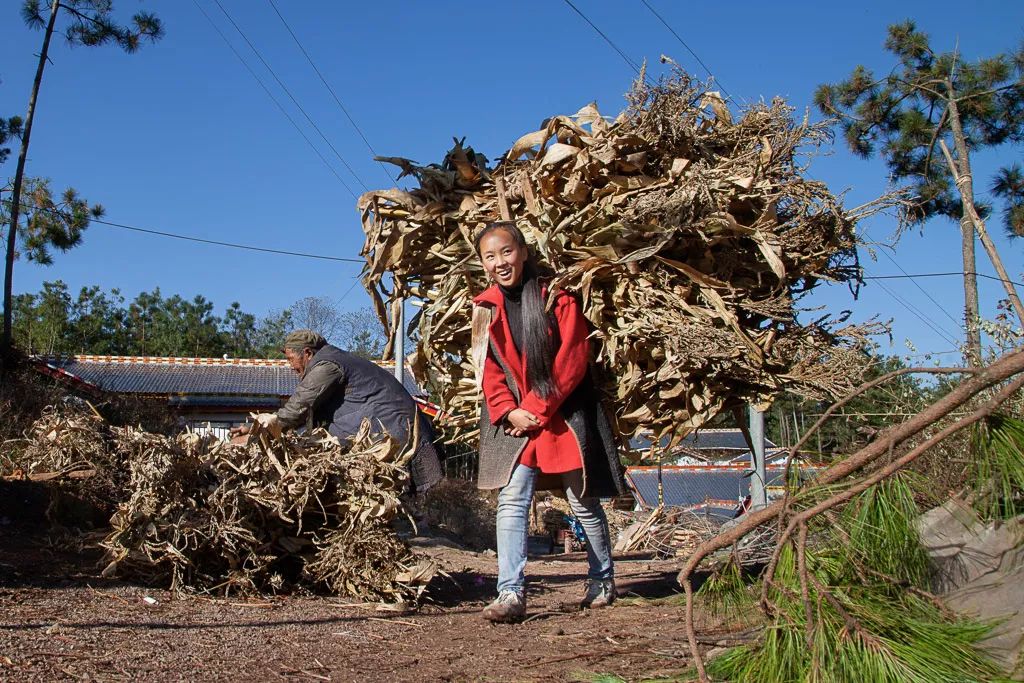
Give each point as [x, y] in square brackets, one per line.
[527, 142]
[714, 100]
[558, 153]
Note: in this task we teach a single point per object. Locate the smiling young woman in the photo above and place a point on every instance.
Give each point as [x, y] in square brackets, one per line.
[541, 419]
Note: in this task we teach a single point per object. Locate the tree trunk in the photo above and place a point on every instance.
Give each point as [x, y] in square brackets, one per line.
[972, 314]
[965, 184]
[19, 175]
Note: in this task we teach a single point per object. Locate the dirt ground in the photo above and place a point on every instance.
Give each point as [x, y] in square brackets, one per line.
[59, 620]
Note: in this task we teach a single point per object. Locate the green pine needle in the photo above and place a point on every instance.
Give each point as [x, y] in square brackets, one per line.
[999, 467]
[882, 531]
[725, 594]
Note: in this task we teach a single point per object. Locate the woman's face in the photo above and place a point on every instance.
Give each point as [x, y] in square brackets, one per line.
[503, 259]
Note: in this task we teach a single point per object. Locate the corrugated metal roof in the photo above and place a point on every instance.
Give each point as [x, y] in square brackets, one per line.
[693, 485]
[687, 487]
[190, 376]
[719, 439]
[141, 378]
[251, 402]
[702, 440]
[712, 510]
[771, 457]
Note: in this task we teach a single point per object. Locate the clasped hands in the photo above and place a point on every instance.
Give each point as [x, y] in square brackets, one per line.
[519, 422]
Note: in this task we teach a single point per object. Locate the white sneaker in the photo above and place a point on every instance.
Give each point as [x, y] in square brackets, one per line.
[509, 606]
[600, 593]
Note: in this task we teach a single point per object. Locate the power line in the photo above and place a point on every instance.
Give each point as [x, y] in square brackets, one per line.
[918, 314]
[959, 323]
[233, 245]
[349, 290]
[274, 99]
[688, 49]
[292, 97]
[331, 90]
[608, 40]
[954, 272]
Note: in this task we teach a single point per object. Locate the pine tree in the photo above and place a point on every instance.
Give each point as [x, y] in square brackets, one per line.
[88, 23]
[9, 128]
[239, 330]
[925, 118]
[270, 332]
[46, 222]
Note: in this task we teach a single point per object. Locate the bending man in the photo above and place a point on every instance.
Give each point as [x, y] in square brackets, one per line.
[338, 389]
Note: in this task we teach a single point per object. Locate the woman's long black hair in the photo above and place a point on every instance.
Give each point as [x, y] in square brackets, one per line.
[536, 326]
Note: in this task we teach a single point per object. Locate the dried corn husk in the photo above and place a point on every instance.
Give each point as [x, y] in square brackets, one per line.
[687, 233]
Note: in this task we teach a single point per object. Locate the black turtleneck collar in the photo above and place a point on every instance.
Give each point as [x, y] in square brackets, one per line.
[514, 294]
[514, 312]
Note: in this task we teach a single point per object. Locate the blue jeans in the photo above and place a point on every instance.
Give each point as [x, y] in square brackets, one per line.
[513, 519]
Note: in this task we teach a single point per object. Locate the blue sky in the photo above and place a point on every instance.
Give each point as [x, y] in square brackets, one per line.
[180, 138]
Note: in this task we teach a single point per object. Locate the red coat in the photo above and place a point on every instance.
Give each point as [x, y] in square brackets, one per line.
[553, 448]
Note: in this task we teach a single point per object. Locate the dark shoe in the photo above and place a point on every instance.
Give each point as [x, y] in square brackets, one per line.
[510, 606]
[600, 593]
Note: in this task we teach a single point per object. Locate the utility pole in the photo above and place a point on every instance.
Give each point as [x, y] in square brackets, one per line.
[758, 491]
[400, 342]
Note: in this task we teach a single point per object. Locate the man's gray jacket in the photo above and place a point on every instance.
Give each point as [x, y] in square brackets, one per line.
[339, 389]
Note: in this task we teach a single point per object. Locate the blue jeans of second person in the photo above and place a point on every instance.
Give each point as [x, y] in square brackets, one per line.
[513, 521]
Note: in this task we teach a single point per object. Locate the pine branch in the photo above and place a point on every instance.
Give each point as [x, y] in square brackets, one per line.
[1008, 366]
[993, 91]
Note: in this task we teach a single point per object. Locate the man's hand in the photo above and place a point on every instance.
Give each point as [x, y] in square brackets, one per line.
[269, 422]
[240, 430]
[518, 422]
[240, 434]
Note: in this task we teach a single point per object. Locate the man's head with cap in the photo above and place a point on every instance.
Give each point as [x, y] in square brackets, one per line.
[299, 347]
[304, 339]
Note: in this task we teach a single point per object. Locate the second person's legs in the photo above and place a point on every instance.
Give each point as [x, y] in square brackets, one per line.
[590, 514]
[600, 591]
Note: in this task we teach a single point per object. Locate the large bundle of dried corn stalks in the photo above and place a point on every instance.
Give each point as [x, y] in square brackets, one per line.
[686, 233]
[274, 514]
[297, 510]
[677, 532]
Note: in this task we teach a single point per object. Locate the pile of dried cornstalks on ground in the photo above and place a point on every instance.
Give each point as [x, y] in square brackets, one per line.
[686, 233]
[75, 449]
[677, 532]
[274, 514]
